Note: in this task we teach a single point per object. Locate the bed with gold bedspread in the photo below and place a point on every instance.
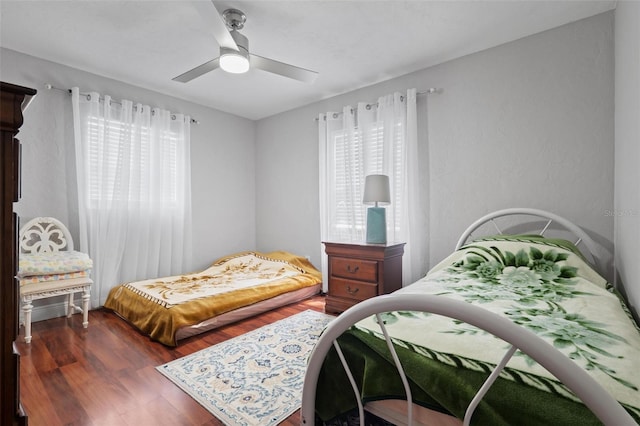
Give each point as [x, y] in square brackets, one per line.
[234, 287]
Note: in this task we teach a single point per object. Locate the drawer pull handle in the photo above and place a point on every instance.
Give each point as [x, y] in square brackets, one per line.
[352, 291]
[352, 270]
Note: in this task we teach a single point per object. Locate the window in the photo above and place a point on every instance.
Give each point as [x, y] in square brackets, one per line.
[373, 139]
[348, 181]
[356, 154]
[134, 189]
[125, 166]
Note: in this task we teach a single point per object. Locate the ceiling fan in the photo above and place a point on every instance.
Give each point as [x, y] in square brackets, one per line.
[234, 48]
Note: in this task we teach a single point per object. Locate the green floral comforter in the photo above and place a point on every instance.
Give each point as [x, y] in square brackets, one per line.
[541, 284]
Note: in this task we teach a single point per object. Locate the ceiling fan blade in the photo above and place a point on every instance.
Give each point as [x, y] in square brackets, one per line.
[214, 21]
[280, 68]
[198, 71]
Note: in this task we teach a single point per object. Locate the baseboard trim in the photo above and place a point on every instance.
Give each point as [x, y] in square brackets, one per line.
[45, 312]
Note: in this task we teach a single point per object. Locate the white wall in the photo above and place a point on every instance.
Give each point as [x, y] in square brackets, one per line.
[627, 153]
[222, 147]
[529, 123]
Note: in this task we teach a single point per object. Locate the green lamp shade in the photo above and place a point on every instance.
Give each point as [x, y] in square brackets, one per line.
[376, 225]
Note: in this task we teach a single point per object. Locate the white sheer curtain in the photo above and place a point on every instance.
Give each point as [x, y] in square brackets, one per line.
[372, 139]
[134, 189]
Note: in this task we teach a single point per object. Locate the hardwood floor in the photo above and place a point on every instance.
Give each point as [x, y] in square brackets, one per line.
[105, 375]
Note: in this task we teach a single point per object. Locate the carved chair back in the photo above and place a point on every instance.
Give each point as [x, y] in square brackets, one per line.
[43, 235]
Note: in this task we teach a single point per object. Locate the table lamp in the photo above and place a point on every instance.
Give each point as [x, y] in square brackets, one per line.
[376, 190]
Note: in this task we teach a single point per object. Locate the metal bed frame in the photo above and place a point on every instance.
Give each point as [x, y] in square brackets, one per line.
[594, 396]
[582, 240]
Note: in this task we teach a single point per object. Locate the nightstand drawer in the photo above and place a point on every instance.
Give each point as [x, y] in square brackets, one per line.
[355, 290]
[354, 269]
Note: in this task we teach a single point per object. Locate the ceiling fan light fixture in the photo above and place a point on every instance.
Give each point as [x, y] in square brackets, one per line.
[233, 61]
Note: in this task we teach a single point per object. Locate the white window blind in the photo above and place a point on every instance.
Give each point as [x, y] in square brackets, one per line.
[120, 170]
[348, 214]
[354, 158]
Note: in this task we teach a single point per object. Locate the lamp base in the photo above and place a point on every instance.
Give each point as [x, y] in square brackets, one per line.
[376, 225]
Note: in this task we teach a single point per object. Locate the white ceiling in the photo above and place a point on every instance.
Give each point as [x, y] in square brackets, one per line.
[351, 44]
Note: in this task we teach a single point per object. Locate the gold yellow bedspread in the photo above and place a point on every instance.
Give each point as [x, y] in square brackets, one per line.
[161, 306]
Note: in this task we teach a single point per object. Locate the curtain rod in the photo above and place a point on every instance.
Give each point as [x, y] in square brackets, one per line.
[51, 87]
[429, 91]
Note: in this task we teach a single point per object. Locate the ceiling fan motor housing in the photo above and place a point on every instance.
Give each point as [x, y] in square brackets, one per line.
[235, 19]
[241, 41]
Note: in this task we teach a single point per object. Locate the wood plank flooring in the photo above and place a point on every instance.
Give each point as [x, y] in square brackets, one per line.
[105, 375]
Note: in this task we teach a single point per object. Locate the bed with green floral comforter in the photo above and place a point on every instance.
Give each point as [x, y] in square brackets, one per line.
[542, 284]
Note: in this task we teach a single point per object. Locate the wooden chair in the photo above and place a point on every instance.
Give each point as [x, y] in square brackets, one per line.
[49, 267]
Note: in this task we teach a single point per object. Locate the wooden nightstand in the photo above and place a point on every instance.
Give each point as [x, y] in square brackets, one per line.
[360, 271]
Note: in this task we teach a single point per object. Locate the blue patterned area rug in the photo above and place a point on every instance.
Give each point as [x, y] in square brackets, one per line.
[255, 378]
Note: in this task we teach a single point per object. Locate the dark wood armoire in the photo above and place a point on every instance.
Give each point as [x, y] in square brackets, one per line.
[13, 100]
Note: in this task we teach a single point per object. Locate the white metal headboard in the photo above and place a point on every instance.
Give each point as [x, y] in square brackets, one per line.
[582, 240]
